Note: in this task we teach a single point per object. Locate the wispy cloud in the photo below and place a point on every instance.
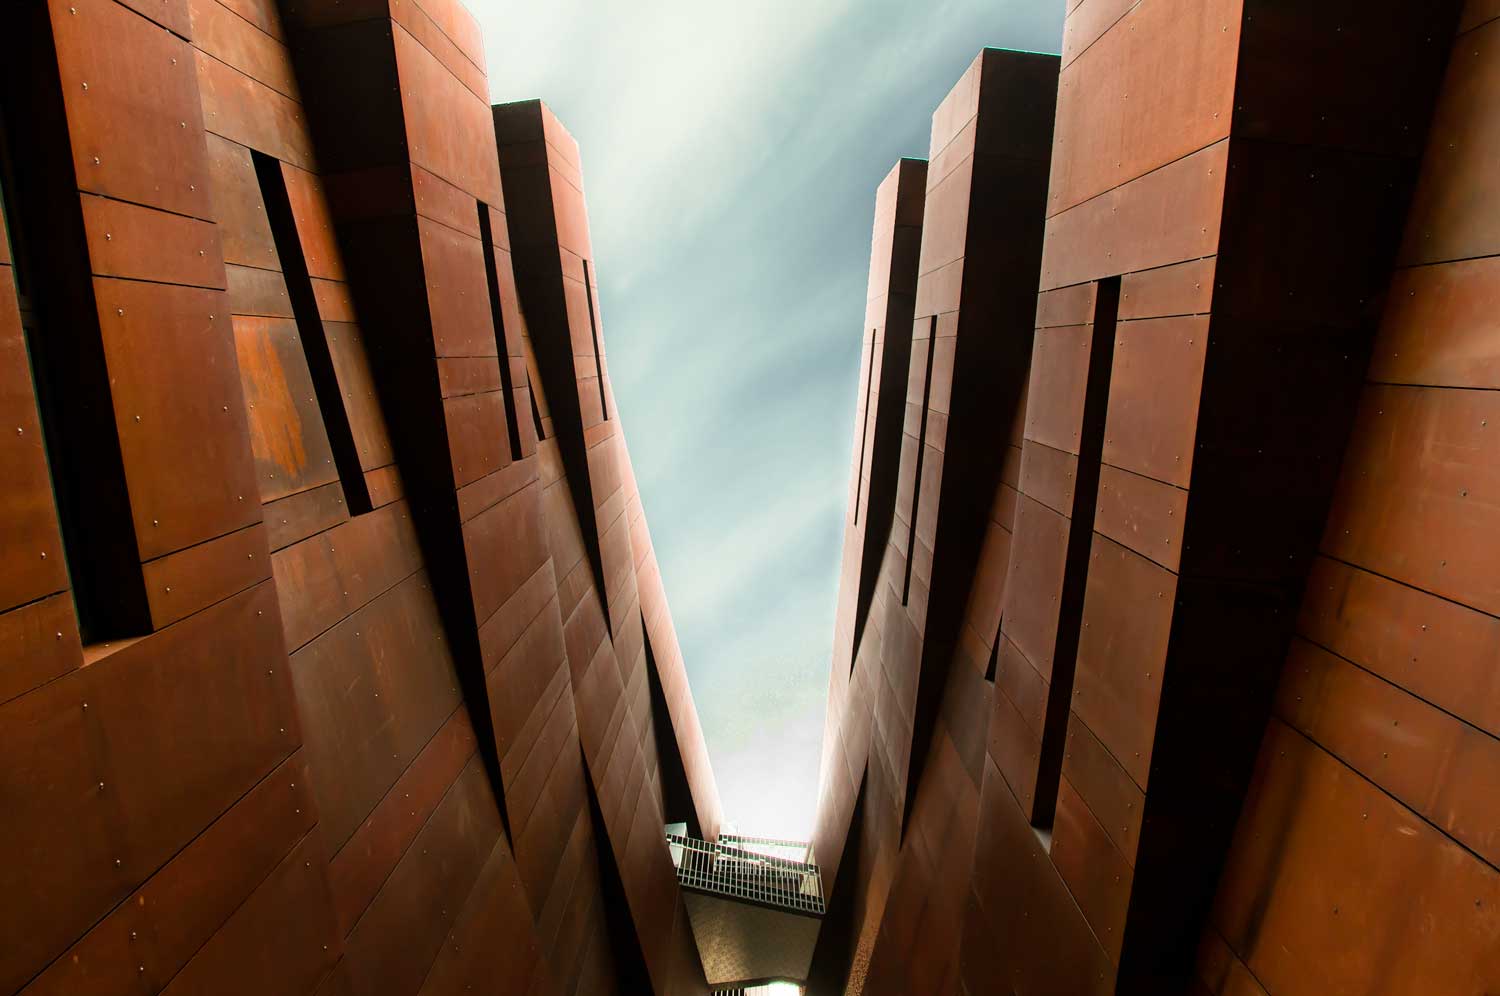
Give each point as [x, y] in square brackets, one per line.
[731, 154]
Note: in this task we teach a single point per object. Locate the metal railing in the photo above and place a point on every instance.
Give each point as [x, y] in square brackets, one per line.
[739, 873]
[772, 847]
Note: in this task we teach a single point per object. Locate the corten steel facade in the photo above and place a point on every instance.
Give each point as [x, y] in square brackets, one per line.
[1207, 702]
[337, 658]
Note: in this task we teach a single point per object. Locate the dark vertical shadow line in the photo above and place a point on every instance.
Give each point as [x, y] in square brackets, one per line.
[1080, 543]
[62, 334]
[624, 939]
[864, 430]
[588, 290]
[310, 331]
[507, 386]
[916, 488]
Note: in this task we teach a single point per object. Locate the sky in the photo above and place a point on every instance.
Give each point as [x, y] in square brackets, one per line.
[731, 153]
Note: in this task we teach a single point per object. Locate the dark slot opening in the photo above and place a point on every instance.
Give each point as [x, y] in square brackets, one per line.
[310, 330]
[588, 289]
[994, 662]
[916, 488]
[677, 796]
[63, 337]
[1080, 541]
[864, 430]
[625, 942]
[507, 387]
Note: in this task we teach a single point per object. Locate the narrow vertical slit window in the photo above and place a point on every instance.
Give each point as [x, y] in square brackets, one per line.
[588, 289]
[533, 385]
[310, 331]
[916, 488]
[492, 276]
[64, 343]
[864, 431]
[1080, 542]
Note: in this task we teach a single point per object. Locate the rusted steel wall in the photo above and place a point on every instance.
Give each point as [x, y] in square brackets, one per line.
[609, 586]
[1229, 183]
[884, 358]
[287, 692]
[1366, 856]
[979, 259]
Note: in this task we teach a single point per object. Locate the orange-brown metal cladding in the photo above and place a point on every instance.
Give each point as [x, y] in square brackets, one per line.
[905, 743]
[337, 658]
[1243, 174]
[337, 750]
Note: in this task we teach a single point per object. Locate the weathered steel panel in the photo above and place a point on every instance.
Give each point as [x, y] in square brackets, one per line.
[90, 813]
[1167, 216]
[1127, 618]
[1324, 862]
[1095, 872]
[155, 931]
[372, 690]
[384, 485]
[141, 243]
[283, 939]
[1157, 87]
[238, 207]
[1143, 514]
[1036, 935]
[351, 365]
[1435, 764]
[334, 301]
[1114, 799]
[45, 792]
[254, 292]
[235, 41]
[458, 293]
[1420, 481]
[31, 552]
[181, 583]
[251, 113]
[296, 517]
[470, 960]
[1180, 289]
[1059, 380]
[1066, 305]
[476, 435]
[461, 375]
[179, 411]
[508, 539]
[287, 435]
[1154, 391]
[315, 233]
[324, 578]
[42, 638]
[449, 130]
[132, 105]
[261, 13]
[1456, 210]
[1440, 326]
[392, 947]
[364, 862]
[1034, 582]
[1438, 650]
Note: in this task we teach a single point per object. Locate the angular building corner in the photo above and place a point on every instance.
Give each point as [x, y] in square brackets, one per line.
[337, 657]
[1181, 691]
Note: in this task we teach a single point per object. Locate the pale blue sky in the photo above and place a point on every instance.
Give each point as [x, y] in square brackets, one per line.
[731, 153]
